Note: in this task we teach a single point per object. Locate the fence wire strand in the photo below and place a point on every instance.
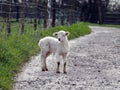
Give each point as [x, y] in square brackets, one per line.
[25, 13]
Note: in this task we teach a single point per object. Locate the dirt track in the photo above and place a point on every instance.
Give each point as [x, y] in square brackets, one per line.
[93, 64]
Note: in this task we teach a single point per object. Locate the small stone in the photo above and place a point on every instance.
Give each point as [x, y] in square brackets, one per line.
[95, 77]
[58, 82]
[119, 81]
[73, 84]
[99, 71]
[74, 70]
[75, 64]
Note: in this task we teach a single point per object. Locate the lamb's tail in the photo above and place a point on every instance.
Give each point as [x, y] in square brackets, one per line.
[44, 45]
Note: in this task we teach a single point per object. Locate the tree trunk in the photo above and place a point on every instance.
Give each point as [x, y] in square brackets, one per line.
[53, 12]
[62, 11]
[71, 13]
[45, 14]
[100, 12]
[62, 18]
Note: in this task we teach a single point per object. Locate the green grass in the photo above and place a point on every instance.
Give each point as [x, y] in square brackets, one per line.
[17, 49]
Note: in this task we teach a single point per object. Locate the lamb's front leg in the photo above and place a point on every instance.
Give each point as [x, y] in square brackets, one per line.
[64, 68]
[58, 67]
[58, 63]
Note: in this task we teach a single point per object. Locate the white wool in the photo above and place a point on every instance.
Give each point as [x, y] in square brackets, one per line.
[58, 46]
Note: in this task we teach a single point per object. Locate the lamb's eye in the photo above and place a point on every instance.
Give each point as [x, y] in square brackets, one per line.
[63, 35]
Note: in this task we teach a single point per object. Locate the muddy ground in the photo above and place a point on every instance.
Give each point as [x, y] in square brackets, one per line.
[93, 64]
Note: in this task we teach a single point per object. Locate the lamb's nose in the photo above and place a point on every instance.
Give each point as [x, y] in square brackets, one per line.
[58, 39]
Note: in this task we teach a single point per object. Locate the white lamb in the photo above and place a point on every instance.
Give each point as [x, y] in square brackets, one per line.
[58, 46]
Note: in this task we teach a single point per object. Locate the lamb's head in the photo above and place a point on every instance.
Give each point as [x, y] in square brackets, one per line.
[61, 35]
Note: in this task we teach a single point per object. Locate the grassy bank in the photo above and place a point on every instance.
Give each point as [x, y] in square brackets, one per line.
[17, 49]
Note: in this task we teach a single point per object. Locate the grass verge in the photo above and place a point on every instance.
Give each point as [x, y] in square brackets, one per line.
[17, 49]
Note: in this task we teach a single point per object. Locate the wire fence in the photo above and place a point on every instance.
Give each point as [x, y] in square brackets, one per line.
[37, 14]
[40, 14]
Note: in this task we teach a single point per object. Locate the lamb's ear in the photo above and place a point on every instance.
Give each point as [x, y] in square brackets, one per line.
[55, 34]
[67, 33]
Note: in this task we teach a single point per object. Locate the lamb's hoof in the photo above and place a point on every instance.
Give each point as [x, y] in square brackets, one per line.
[57, 71]
[65, 72]
[44, 69]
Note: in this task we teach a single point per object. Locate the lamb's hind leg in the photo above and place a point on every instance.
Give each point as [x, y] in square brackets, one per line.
[43, 62]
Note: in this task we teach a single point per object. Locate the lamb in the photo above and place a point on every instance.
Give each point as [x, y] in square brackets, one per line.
[58, 46]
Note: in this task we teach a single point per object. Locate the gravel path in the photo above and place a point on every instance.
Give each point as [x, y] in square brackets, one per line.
[93, 64]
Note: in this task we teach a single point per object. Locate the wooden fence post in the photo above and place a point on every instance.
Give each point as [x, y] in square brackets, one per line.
[22, 16]
[35, 16]
[8, 13]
